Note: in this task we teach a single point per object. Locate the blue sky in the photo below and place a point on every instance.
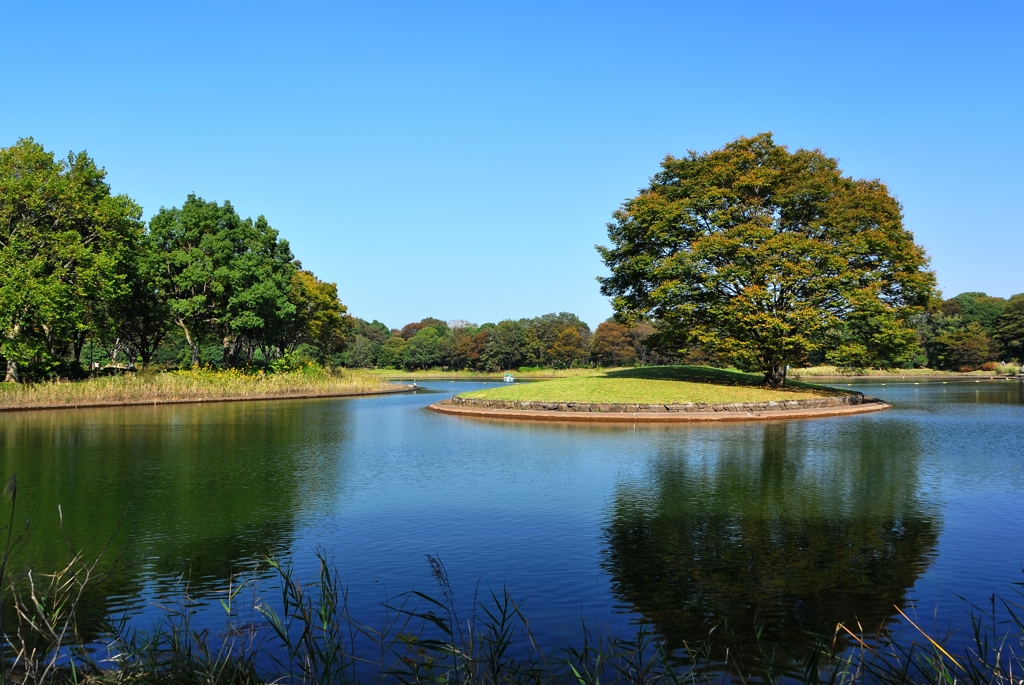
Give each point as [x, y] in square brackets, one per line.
[460, 160]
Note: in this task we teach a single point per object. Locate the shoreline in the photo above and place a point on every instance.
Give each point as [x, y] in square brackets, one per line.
[869, 405]
[916, 376]
[199, 400]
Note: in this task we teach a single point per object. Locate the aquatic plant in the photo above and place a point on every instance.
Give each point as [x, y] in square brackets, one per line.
[308, 379]
[308, 635]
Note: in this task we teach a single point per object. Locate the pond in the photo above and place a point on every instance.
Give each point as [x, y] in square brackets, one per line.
[789, 527]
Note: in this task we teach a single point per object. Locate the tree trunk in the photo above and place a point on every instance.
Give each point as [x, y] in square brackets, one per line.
[775, 375]
[78, 344]
[232, 346]
[12, 371]
[193, 345]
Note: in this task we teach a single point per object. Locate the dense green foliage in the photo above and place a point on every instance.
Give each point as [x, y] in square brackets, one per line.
[750, 255]
[560, 341]
[971, 331]
[66, 244]
[82, 272]
[764, 256]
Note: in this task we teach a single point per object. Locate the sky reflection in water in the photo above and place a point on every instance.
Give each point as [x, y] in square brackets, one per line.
[793, 526]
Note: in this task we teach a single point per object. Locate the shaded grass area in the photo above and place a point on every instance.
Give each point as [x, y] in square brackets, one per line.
[180, 386]
[826, 370]
[438, 374]
[655, 385]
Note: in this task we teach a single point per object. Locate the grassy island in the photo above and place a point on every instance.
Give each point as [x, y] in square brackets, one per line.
[197, 385]
[656, 385]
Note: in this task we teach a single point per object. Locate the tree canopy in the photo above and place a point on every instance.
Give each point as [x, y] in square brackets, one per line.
[65, 241]
[80, 266]
[765, 255]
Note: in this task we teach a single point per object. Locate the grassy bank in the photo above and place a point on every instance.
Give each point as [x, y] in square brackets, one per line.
[835, 371]
[186, 386]
[655, 385]
[529, 374]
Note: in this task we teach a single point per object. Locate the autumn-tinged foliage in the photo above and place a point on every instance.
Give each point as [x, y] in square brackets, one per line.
[766, 256]
[84, 278]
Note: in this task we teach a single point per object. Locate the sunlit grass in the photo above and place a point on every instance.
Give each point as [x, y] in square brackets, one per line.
[199, 384]
[654, 385]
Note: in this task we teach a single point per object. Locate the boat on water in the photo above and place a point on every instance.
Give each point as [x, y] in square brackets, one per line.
[508, 378]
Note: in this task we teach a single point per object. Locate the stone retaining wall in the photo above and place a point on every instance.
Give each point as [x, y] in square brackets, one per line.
[689, 407]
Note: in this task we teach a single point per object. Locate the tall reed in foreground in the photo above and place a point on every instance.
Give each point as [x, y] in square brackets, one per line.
[308, 635]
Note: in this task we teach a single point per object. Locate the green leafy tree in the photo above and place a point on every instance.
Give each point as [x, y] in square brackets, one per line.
[964, 349]
[374, 331]
[547, 328]
[1010, 327]
[392, 353]
[140, 316]
[362, 352]
[569, 349]
[457, 347]
[511, 344]
[65, 243]
[975, 307]
[765, 255]
[223, 275]
[318, 319]
[422, 351]
[478, 346]
[613, 345]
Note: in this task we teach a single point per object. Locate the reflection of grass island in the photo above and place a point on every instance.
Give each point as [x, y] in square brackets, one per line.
[665, 393]
[657, 385]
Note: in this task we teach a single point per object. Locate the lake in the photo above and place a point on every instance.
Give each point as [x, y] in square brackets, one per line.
[789, 527]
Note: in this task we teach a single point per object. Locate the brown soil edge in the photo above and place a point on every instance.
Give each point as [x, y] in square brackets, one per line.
[870, 405]
[198, 400]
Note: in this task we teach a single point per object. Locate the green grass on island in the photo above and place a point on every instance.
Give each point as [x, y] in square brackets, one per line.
[655, 385]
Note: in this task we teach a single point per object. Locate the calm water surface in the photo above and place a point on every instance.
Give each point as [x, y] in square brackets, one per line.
[790, 525]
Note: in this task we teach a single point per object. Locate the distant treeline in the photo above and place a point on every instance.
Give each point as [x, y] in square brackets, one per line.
[963, 333]
[971, 330]
[553, 340]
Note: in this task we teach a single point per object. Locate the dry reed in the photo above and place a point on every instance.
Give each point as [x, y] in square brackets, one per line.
[190, 386]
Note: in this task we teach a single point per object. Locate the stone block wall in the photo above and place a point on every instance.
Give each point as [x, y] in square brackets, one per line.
[689, 407]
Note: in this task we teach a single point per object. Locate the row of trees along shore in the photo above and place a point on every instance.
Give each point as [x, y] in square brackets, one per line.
[552, 341]
[963, 333]
[749, 256]
[83, 277]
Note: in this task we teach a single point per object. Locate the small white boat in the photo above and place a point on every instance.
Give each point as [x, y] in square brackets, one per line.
[508, 378]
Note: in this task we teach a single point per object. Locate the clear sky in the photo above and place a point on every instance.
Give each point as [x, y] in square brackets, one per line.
[460, 160]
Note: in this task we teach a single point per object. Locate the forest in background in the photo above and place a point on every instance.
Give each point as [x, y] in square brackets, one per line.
[87, 285]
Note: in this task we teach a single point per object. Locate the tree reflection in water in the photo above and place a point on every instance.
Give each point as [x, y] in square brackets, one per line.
[208, 490]
[772, 530]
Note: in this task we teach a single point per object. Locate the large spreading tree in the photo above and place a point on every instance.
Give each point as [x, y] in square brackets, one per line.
[764, 256]
[66, 245]
[222, 275]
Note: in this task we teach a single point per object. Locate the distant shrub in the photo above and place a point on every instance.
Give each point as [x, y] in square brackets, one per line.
[990, 366]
